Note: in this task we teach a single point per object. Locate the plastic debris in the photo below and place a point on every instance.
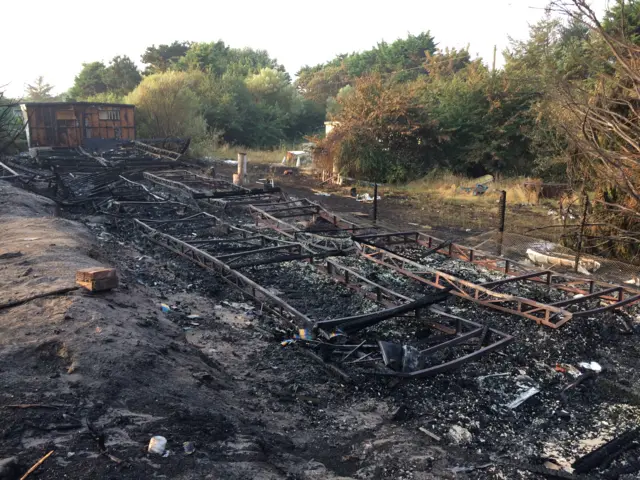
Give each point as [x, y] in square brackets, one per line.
[304, 334]
[189, 447]
[165, 308]
[366, 198]
[593, 366]
[337, 333]
[568, 369]
[523, 398]
[157, 445]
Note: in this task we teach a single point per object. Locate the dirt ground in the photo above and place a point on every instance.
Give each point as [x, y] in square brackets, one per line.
[405, 210]
[92, 377]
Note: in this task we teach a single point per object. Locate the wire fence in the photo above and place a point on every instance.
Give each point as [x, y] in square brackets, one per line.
[573, 239]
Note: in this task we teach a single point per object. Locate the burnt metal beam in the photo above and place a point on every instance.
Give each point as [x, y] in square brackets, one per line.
[12, 173]
[288, 247]
[561, 282]
[547, 315]
[527, 276]
[365, 287]
[584, 298]
[258, 293]
[157, 151]
[358, 322]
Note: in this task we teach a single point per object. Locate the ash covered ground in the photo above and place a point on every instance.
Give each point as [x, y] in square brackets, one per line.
[212, 371]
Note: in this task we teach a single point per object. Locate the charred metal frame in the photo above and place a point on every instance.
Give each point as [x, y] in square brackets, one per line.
[272, 216]
[617, 296]
[228, 264]
[157, 151]
[271, 196]
[260, 295]
[488, 340]
[548, 315]
[179, 179]
[459, 331]
[7, 173]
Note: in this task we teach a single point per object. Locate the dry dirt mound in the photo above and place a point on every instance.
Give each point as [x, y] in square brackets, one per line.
[106, 364]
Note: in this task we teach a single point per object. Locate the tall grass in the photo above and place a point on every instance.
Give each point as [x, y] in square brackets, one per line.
[216, 150]
[447, 186]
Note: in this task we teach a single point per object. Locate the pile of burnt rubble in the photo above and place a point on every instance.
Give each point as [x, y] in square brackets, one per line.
[495, 377]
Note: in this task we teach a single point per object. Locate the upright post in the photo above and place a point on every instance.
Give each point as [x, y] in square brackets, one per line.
[585, 214]
[503, 215]
[375, 202]
[238, 179]
[245, 168]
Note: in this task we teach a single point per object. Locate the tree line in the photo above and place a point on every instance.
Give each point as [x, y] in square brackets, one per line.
[402, 108]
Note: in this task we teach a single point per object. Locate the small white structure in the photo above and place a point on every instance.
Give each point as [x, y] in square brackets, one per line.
[297, 157]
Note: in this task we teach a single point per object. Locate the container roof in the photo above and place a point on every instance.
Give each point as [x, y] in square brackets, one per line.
[98, 104]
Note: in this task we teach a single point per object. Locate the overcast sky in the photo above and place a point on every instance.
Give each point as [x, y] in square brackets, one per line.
[54, 38]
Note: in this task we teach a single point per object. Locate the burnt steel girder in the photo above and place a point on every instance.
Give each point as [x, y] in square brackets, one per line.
[263, 217]
[290, 231]
[245, 199]
[334, 219]
[313, 210]
[11, 173]
[234, 278]
[486, 346]
[214, 221]
[214, 185]
[289, 248]
[583, 286]
[300, 203]
[540, 313]
[363, 286]
[359, 322]
[311, 257]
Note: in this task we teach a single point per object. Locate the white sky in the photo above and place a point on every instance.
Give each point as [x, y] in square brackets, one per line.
[53, 38]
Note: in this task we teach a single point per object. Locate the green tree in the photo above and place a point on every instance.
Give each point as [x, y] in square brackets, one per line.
[212, 58]
[167, 105]
[161, 58]
[246, 61]
[121, 76]
[11, 125]
[89, 82]
[622, 20]
[384, 133]
[39, 90]
[400, 61]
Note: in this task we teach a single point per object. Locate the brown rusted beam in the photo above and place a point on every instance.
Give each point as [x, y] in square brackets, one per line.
[527, 276]
[234, 278]
[358, 322]
[246, 253]
[551, 316]
[584, 298]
